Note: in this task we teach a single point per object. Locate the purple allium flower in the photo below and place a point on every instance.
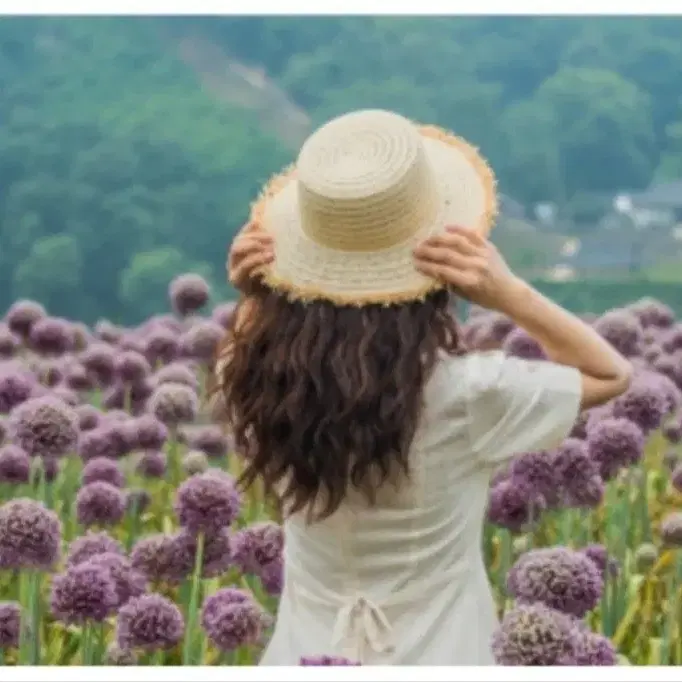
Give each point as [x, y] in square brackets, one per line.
[131, 366]
[535, 635]
[162, 345]
[15, 466]
[195, 462]
[30, 535]
[3, 429]
[9, 342]
[671, 529]
[174, 404]
[152, 464]
[522, 345]
[561, 578]
[89, 417]
[128, 582]
[676, 478]
[150, 433]
[83, 593]
[207, 502]
[22, 315]
[614, 444]
[653, 353]
[65, 395]
[16, 386]
[119, 657]
[642, 404]
[514, 504]
[210, 439]
[652, 313]
[537, 468]
[176, 373]
[137, 500]
[108, 440]
[222, 314]
[622, 330]
[257, 545]
[672, 395]
[98, 360]
[156, 557]
[103, 469]
[149, 622]
[599, 556]
[670, 366]
[672, 339]
[108, 332]
[90, 545]
[201, 340]
[52, 336]
[10, 624]
[188, 293]
[50, 373]
[216, 556]
[327, 660]
[578, 474]
[646, 556]
[77, 378]
[99, 503]
[272, 577]
[231, 621]
[44, 427]
[594, 649]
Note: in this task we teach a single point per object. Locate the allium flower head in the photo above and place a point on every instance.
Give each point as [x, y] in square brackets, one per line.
[176, 373]
[188, 293]
[156, 557]
[257, 545]
[327, 660]
[652, 313]
[232, 619]
[646, 556]
[52, 336]
[131, 366]
[672, 339]
[272, 577]
[578, 474]
[537, 468]
[76, 378]
[100, 503]
[614, 444]
[210, 439]
[128, 582]
[174, 404]
[522, 345]
[195, 462]
[98, 360]
[207, 502]
[16, 386]
[535, 635]
[563, 579]
[89, 417]
[670, 392]
[594, 649]
[222, 314]
[44, 427]
[15, 466]
[622, 330]
[671, 529]
[9, 342]
[676, 478]
[103, 469]
[3, 429]
[108, 332]
[10, 624]
[201, 340]
[149, 622]
[150, 433]
[642, 404]
[22, 315]
[152, 464]
[514, 504]
[119, 657]
[108, 440]
[216, 555]
[599, 556]
[162, 345]
[30, 535]
[83, 593]
[65, 395]
[90, 545]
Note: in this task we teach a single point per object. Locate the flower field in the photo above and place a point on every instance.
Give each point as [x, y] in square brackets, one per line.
[124, 538]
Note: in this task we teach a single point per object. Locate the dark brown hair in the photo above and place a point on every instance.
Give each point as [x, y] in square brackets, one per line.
[323, 398]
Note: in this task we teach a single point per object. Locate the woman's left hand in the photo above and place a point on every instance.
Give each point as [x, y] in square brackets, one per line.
[250, 251]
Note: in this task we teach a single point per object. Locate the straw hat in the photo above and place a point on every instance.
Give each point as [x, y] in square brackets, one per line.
[366, 189]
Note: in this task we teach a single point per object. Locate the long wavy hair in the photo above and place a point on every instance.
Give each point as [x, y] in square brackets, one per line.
[322, 399]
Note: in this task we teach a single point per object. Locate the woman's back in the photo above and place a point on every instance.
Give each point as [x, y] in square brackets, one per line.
[402, 581]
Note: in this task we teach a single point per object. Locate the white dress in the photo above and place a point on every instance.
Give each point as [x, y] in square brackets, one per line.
[403, 583]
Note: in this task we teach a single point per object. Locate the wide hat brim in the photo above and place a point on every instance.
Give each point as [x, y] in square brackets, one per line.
[307, 271]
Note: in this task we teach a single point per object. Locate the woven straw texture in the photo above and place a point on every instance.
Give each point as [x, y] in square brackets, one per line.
[366, 189]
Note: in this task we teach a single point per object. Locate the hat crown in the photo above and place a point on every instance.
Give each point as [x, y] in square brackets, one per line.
[364, 182]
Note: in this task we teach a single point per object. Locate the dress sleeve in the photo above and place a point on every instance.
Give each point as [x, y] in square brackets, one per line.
[517, 406]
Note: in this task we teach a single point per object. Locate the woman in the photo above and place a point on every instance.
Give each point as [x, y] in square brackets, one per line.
[347, 390]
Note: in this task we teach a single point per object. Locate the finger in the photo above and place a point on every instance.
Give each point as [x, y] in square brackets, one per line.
[250, 244]
[454, 241]
[459, 279]
[450, 257]
[472, 236]
[246, 268]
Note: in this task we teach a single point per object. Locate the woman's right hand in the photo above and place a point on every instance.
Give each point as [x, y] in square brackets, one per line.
[472, 266]
[251, 250]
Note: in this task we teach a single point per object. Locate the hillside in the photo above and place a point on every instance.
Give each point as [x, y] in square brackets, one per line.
[131, 147]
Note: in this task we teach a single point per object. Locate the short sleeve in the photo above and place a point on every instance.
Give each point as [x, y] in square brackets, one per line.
[517, 406]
